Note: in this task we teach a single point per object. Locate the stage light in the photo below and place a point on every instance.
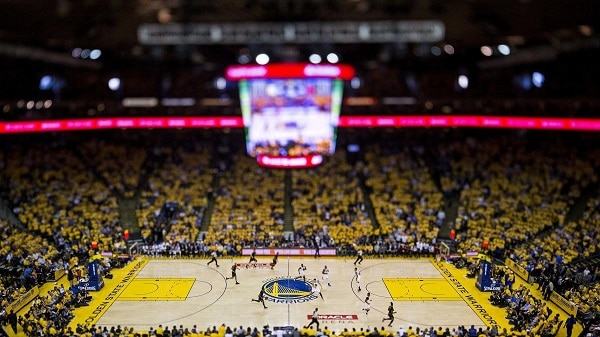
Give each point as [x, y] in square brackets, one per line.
[85, 53]
[537, 79]
[46, 82]
[114, 84]
[30, 105]
[95, 54]
[449, 49]
[39, 105]
[436, 51]
[262, 59]
[314, 58]
[504, 49]
[486, 51]
[463, 81]
[355, 83]
[243, 59]
[76, 53]
[332, 58]
[47, 104]
[220, 83]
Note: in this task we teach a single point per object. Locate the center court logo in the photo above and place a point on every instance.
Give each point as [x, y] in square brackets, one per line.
[288, 290]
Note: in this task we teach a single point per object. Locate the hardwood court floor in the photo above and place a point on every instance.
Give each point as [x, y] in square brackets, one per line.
[187, 292]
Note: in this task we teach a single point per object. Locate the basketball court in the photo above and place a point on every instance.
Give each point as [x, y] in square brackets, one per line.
[187, 292]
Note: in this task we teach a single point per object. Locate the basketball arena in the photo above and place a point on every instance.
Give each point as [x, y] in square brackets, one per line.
[279, 168]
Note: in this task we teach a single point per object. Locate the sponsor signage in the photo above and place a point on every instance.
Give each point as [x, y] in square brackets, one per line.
[566, 305]
[290, 70]
[519, 270]
[22, 301]
[288, 251]
[216, 122]
[253, 265]
[335, 317]
[501, 122]
[308, 161]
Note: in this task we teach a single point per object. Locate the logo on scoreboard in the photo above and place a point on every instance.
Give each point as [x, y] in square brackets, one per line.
[288, 290]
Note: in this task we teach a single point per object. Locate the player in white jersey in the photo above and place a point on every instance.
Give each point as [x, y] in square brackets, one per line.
[325, 276]
[357, 277]
[317, 288]
[302, 272]
[367, 305]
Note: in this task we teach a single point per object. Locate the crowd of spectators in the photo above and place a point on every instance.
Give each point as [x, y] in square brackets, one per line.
[248, 207]
[549, 259]
[407, 204]
[329, 205]
[509, 191]
[173, 202]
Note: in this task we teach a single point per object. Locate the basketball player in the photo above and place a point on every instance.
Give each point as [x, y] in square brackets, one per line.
[314, 319]
[261, 298]
[213, 258]
[302, 272]
[274, 263]
[233, 274]
[391, 313]
[253, 257]
[359, 257]
[367, 307]
[317, 288]
[357, 277]
[325, 276]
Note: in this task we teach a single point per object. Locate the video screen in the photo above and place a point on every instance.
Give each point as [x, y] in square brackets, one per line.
[290, 117]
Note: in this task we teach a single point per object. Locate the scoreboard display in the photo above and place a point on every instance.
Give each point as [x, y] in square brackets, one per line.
[290, 111]
[290, 117]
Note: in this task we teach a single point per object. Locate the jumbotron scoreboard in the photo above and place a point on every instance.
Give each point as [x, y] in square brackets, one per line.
[290, 111]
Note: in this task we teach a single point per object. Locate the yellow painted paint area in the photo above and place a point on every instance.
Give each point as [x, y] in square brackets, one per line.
[158, 289]
[103, 299]
[477, 300]
[420, 289]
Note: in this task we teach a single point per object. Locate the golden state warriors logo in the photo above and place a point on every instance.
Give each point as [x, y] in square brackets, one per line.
[288, 290]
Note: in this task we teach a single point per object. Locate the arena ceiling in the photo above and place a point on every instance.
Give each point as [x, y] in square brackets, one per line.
[112, 25]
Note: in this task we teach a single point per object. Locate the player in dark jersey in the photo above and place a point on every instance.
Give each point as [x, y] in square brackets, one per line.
[213, 258]
[391, 313]
[253, 257]
[359, 257]
[367, 306]
[314, 319]
[233, 274]
[274, 263]
[261, 298]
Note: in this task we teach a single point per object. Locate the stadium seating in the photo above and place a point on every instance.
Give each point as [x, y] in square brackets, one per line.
[181, 182]
[248, 206]
[406, 201]
[54, 193]
[118, 164]
[509, 192]
[328, 202]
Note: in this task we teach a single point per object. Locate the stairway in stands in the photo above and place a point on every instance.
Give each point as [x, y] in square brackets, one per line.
[366, 191]
[288, 209]
[577, 209]
[210, 203]
[451, 198]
